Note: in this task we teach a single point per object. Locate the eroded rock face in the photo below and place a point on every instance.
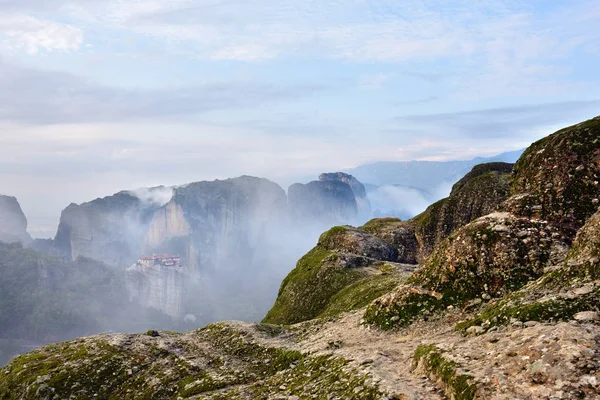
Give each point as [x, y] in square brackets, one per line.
[157, 287]
[563, 292]
[477, 194]
[557, 178]
[399, 234]
[350, 240]
[360, 193]
[110, 229]
[331, 202]
[493, 255]
[13, 223]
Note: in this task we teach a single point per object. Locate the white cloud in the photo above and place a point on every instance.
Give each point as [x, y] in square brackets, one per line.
[32, 35]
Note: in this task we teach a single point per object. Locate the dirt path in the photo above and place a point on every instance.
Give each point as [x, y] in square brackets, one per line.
[539, 361]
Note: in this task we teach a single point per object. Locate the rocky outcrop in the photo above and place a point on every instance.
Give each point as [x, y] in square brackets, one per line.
[565, 291]
[110, 229]
[328, 202]
[346, 262]
[215, 225]
[157, 287]
[13, 225]
[479, 193]
[399, 234]
[360, 193]
[557, 178]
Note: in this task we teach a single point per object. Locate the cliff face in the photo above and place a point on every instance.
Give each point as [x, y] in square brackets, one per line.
[110, 230]
[157, 287]
[239, 227]
[329, 201]
[13, 225]
[360, 193]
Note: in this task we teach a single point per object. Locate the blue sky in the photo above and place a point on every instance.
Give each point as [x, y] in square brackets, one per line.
[102, 95]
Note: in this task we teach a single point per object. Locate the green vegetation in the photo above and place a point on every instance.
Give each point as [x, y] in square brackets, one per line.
[306, 291]
[44, 298]
[223, 362]
[402, 307]
[376, 224]
[363, 292]
[457, 386]
[533, 304]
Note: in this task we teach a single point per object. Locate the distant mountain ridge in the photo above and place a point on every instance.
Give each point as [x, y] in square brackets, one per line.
[423, 175]
[404, 189]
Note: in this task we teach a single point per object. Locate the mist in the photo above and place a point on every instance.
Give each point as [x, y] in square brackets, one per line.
[404, 202]
[237, 240]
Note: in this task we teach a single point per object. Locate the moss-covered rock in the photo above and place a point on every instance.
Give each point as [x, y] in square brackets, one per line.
[457, 385]
[489, 258]
[222, 361]
[477, 194]
[350, 240]
[364, 291]
[343, 256]
[398, 233]
[402, 307]
[559, 294]
[307, 290]
[493, 256]
[557, 178]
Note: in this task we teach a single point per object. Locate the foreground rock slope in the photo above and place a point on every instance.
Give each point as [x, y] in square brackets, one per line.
[504, 305]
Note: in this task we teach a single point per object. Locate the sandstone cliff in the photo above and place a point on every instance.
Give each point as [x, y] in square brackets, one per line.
[13, 224]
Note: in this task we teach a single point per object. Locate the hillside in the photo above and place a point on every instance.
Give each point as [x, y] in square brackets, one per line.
[504, 303]
[46, 299]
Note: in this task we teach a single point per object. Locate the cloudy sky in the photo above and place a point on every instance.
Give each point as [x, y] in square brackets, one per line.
[102, 95]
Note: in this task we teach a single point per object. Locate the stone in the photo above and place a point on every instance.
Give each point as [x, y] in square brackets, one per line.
[587, 316]
[476, 330]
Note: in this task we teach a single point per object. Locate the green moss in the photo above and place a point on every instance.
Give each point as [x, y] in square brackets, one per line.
[307, 290]
[402, 308]
[328, 239]
[531, 303]
[376, 224]
[361, 293]
[457, 386]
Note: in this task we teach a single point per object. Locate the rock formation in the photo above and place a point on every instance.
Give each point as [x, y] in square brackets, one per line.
[13, 224]
[503, 307]
[156, 285]
[477, 194]
[360, 193]
[110, 229]
[329, 202]
[557, 178]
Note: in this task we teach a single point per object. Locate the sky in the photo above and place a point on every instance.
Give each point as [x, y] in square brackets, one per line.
[102, 95]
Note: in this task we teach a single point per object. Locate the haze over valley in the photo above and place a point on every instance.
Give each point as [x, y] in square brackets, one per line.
[278, 200]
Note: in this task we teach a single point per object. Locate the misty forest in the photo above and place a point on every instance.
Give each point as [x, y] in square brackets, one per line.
[276, 200]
